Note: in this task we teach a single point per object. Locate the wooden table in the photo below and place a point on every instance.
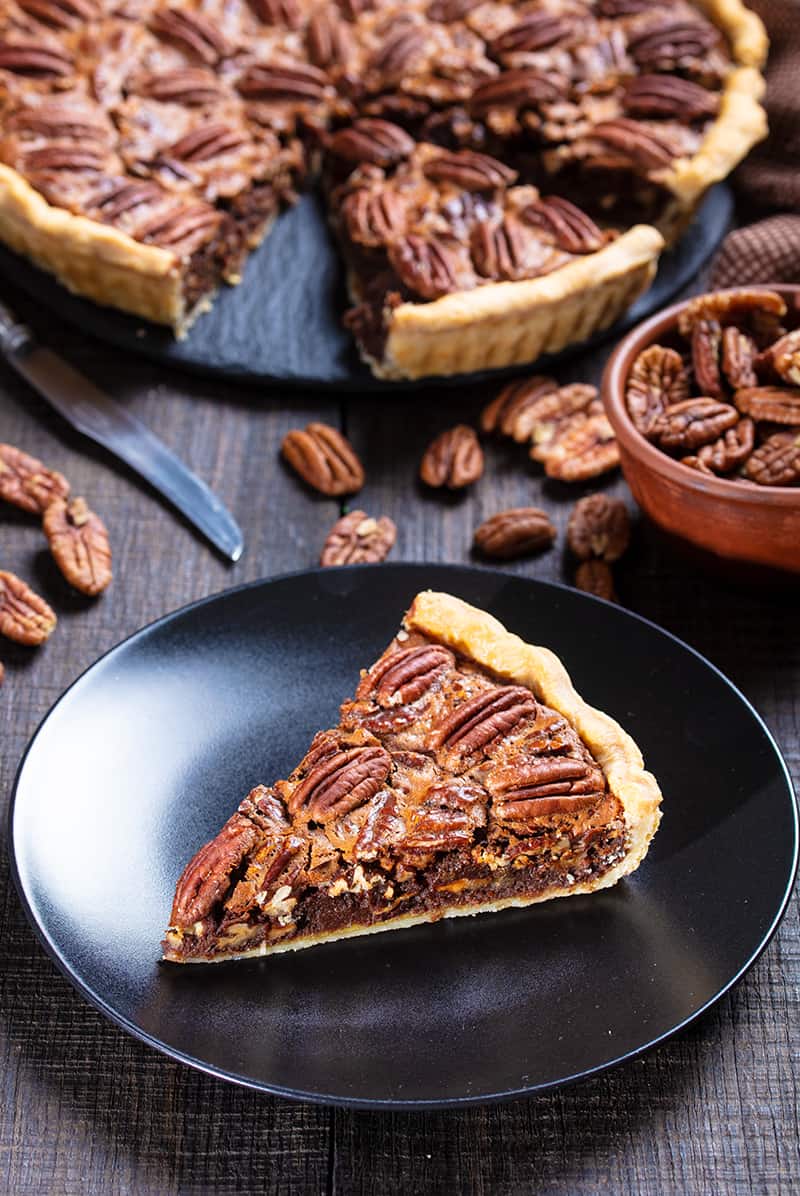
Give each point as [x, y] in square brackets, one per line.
[85, 1109]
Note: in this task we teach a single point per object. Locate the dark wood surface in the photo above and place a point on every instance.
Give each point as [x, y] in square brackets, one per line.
[85, 1109]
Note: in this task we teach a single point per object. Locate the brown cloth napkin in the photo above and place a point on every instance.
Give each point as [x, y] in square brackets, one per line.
[769, 181]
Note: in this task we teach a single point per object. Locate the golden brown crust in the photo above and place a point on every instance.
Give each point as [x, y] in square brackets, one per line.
[89, 258]
[479, 636]
[510, 323]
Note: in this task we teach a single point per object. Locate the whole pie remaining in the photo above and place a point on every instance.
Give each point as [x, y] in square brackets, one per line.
[465, 776]
[501, 176]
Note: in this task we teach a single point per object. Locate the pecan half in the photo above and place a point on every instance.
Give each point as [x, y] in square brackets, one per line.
[776, 462]
[785, 357]
[24, 616]
[599, 526]
[79, 543]
[357, 539]
[469, 170]
[328, 38]
[62, 14]
[352, 9]
[454, 459]
[374, 217]
[595, 577]
[450, 10]
[505, 414]
[404, 676]
[706, 346]
[27, 483]
[730, 307]
[549, 785]
[339, 782]
[498, 249]
[571, 229]
[324, 459]
[206, 879]
[524, 88]
[668, 45]
[552, 415]
[370, 140]
[192, 86]
[657, 380]
[515, 532]
[279, 12]
[115, 197]
[299, 83]
[777, 404]
[538, 31]
[65, 157]
[670, 96]
[731, 450]
[399, 53]
[424, 265]
[477, 723]
[694, 422]
[446, 819]
[192, 32]
[184, 226]
[624, 8]
[643, 148]
[739, 352]
[31, 58]
[582, 451]
[206, 142]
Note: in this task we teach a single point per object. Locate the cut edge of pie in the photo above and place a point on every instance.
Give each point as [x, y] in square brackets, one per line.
[495, 325]
[483, 642]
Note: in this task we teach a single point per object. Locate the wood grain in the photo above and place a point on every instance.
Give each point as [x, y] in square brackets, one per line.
[85, 1109]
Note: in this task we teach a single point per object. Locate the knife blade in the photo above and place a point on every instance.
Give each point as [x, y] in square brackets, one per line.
[98, 417]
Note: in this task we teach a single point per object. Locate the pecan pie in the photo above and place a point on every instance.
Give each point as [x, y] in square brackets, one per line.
[466, 775]
[501, 175]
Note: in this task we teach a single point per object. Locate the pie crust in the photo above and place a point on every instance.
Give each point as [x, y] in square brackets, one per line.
[479, 639]
[494, 325]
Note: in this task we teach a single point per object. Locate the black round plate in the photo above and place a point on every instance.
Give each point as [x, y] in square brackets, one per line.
[283, 324]
[149, 752]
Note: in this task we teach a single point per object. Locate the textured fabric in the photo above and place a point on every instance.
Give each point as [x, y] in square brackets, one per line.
[769, 181]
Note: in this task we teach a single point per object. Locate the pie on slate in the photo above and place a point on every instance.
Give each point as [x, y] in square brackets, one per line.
[501, 175]
[465, 776]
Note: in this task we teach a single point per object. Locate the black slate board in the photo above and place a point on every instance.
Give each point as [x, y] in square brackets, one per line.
[283, 324]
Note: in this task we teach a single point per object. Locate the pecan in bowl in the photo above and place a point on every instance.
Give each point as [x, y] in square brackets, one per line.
[704, 399]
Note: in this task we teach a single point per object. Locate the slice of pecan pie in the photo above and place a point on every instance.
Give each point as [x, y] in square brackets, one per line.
[510, 167]
[466, 775]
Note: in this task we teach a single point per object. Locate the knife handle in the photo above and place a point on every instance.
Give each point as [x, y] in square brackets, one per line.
[14, 337]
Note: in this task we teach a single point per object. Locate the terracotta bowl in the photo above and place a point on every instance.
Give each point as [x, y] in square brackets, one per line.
[757, 525]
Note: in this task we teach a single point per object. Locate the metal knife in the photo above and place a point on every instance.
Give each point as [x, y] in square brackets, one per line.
[97, 416]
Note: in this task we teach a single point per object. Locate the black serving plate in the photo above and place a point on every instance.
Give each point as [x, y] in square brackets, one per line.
[284, 323]
[149, 752]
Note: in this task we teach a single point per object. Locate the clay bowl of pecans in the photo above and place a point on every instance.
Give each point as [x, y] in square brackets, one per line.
[704, 399]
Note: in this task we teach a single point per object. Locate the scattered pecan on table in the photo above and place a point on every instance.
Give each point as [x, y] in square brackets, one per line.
[595, 577]
[516, 532]
[599, 526]
[565, 426]
[79, 543]
[722, 394]
[24, 616]
[27, 483]
[324, 459]
[598, 534]
[454, 459]
[358, 539]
